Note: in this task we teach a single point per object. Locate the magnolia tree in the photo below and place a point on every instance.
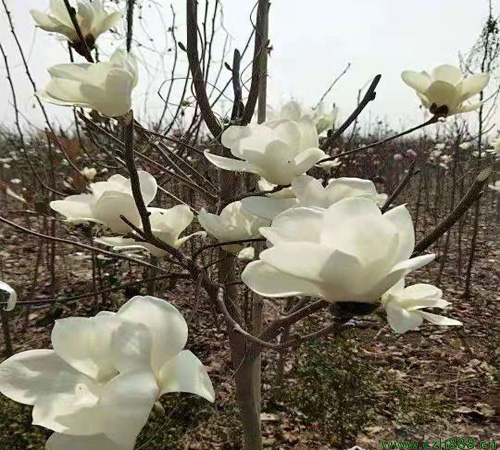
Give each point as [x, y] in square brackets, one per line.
[330, 245]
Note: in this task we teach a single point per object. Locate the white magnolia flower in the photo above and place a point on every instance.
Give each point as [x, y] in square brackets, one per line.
[465, 146]
[278, 152]
[446, 91]
[350, 252]
[322, 119]
[98, 385]
[495, 187]
[11, 295]
[166, 225]
[233, 224]
[403, 306]
[89, 173]
[495, 148]
[90, 15]
[107, 202]
[309, 192]
[105, 86]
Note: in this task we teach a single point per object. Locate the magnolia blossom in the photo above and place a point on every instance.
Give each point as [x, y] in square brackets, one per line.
[232, 224]
[403, 306]
[166, 225]
[446, 91]
[91, 16]
[309, 191]
[465, 146]
[278, 151]
[350, 252]
[322, 119]
[11, 295]
[89, 173]
[98, 385]
[108, 201]
[105, 86]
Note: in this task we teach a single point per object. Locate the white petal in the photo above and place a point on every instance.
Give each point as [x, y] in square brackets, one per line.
[65, 92]
[166, 324]
[267, 208]
[111, 205]
[75, 206]
[60, 441]
[114, 98]
[448, 73]
[309, 134]
[335, 273]
[126, 403]
[421, 291]
[473, 85]
[443, 94]
[186, 373]
[414, 263]
[310, 192]
[171, 222]
[307, 159]
[109, 22]
[356, 226]
[77, 413]
[270, 282]
[85, 343]
[117, 241]
[401, 218]
[439, 320]
[295, 225]
[131, 347]
[346, 187]
[149, 186]
[401, 320]
[31, 375]
[231, 164]
[11, 296]
[416, 80]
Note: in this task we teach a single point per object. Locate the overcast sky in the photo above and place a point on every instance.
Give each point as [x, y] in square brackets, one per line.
[313, 40]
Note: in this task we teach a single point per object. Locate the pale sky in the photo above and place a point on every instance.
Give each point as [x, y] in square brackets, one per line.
[313, 40]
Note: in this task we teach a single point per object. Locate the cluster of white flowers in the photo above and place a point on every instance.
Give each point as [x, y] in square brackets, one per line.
[437, 157]
[98, 385]
[329, 240]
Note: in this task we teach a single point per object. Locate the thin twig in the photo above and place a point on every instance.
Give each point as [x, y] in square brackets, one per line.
[432, 120]
[369, 96]
[406, 179]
